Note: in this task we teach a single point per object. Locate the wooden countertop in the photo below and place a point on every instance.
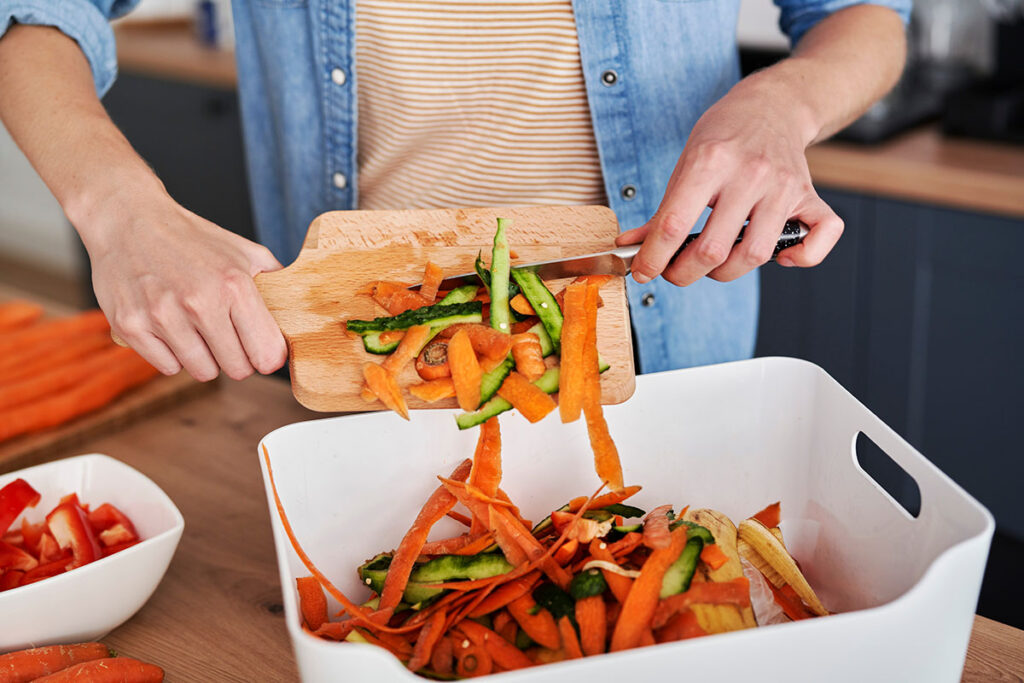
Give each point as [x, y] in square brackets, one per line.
[918, 166]
[217, 614]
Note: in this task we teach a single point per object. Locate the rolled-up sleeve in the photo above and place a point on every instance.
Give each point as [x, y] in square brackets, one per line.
[84, 21]
[799, 16]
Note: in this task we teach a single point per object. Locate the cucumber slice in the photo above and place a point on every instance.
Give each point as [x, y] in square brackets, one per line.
[492, 381]
[438, 315]
[459, 295]
[373, 344]
[678, 577]
[548, 382]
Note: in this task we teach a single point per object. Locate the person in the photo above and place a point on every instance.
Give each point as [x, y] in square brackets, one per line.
[429, 103]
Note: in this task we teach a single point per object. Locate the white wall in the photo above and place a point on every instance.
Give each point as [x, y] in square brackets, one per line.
[33, 228]
[759, 26]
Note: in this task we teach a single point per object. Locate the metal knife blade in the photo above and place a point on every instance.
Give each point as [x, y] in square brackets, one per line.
[616, 261]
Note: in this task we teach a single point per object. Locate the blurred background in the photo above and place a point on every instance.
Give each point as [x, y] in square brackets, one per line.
[918, 311]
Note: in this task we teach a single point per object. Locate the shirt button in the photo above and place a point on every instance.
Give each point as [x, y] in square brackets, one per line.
[609, 77]
[340, 181]
[338, 76]
[647, 299]
[628, 192]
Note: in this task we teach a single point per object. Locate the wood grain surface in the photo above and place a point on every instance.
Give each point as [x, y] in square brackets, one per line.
[159, 392]
[217, 615]
[345, 250]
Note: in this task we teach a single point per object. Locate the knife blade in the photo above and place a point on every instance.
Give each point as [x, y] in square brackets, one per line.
[618, 261]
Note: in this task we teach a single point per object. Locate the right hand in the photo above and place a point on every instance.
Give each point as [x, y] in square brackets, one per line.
[179, 289]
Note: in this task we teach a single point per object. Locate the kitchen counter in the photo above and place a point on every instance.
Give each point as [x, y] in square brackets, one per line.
[217, 615]
[920, 165]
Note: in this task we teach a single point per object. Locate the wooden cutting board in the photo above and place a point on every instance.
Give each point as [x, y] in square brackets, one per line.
[60, 441]
[344, 250]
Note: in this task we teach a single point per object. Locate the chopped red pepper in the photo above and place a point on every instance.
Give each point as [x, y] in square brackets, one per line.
[106, 516]
[10, 579]
[45, 571]
[14, 498]
[13, 557]
[48, 549]
[116, 535]
[31, 535]
[70, 528]
[110, 550]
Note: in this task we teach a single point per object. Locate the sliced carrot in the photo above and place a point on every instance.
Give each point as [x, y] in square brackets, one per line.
[504, 535]
[91, 394]
[383, 384]
[656, 533]
[564, 555]
[503, 653]
[466, 373]
[459, 517]
[534, 550]
[735, 592]
[770, 516]
[593, 621]
[790, 602]
[626, 544]
[432, 363]
[680, 627]
[429, 636]
[526, 397]
[537, 623]
[638, 609]
[574, 337]
[477, 546]
[713, 556]
[646, 637]
[521, 306]
[18, 313]
[570, 643]
[434, 390]
[524, 325]
[489, 342]
[528, 355]
[618, 584]
[312, 602]
[486, 472]
[28, 665]
[410, 346]
[335, 630]
[472, 660]
[487, 364]
[611, 498]
[606, 455]
[432, 276]
[436, 507]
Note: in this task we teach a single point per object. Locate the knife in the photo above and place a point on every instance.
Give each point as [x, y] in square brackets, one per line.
[618, 261]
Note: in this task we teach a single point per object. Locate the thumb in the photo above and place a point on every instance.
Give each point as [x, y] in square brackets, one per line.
[634, 236]
[262, 260]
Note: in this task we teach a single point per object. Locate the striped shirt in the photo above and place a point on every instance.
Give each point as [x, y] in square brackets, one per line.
[472, 103]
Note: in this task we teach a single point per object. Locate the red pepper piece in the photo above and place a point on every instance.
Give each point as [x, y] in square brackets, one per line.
[10, 579]
[116, 535]
[31, 535]
[12, 557]
[70, 528]
[110, 550]
[107, 516]
[45, 571]
[14, 498]
[48, 551]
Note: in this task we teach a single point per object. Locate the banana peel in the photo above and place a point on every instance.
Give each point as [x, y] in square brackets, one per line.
[721, 618]
[760, 546]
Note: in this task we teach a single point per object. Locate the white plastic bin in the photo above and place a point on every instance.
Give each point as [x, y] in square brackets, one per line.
[733, 437]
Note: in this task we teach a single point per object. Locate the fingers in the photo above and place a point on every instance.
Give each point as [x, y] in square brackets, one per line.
[759, 239]
[824, 230]
[152, 349]
[665, 232]
[258, 331]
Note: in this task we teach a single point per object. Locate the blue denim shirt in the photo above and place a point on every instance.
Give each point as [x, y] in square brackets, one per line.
[651, 69]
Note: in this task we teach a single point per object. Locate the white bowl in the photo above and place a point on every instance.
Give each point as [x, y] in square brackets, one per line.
[86, 603]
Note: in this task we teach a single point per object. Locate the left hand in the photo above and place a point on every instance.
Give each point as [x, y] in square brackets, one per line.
[745, 159]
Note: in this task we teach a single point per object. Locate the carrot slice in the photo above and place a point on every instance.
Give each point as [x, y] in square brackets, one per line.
[18, 313]
[432, 276]
[638, 609]
[383, 384]
[770, 516]
[528, 355]
[538, 623]
[436, 507]
[735, 592]
[605, 500]
[713, 556]
[504, 535]
[412, 343]
[429, 635]
[520, 305]
[524, 325]
[790, 602]
[466, 373]
[574, 338]
[606, 455]
[570, 643]
[434, 390]
[526, 397]
[618, 584]
[432, 363]
[312, 602]
[477, 546]
[505, 654]
[656, 533]
[405, 300]
[472, 660]
[593, 620]
[486, 472]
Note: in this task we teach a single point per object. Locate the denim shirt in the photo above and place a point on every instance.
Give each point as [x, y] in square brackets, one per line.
[651, 68]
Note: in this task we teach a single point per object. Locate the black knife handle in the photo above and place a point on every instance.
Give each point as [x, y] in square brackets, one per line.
[792, 234]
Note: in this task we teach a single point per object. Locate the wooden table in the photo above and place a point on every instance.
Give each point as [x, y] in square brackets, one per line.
[217, 615]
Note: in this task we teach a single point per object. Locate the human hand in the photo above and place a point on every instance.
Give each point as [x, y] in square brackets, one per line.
[179, 289]
[745, 159]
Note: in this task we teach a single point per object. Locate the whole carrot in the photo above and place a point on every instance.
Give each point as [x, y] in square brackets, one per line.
[88, 396]
[82, 323]
[59, 377]
[28, 665]
[111, 670]
[18, 313]
[50, 355]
